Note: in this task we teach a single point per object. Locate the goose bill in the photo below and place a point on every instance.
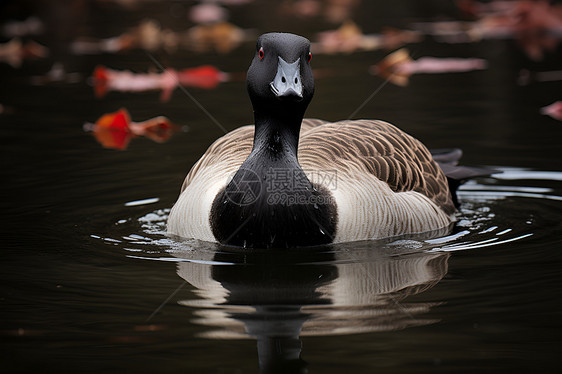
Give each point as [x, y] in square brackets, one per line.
[287, 81]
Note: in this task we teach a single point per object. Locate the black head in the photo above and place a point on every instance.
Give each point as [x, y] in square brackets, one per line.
[280, 75]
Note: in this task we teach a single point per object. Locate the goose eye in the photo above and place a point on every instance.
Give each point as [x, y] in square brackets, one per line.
[309, 56]
[261, 54]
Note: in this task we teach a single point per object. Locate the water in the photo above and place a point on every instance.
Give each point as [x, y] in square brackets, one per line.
[90, 281]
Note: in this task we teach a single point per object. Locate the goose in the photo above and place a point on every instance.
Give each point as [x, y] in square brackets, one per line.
[292, 182]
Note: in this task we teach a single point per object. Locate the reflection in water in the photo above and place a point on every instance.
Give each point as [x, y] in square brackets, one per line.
[349, 38]
[148, 35]
[115, 130]
[554, 110]
[221, 37]
[15, 52]
[399, 66]
[206, 77]
[534, 25]
[276, 297]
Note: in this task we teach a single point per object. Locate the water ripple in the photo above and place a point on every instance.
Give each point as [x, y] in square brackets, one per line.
[483, 220]
[345, 288]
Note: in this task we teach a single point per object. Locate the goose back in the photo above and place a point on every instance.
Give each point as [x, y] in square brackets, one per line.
[383, 181]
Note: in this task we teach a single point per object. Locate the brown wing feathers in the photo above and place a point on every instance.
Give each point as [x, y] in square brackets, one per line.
[376, 147]
[380, 149]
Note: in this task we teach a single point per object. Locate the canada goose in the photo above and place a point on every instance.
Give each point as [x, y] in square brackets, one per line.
[351, 180]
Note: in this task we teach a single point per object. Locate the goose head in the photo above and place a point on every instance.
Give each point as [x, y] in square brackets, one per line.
[280, 77]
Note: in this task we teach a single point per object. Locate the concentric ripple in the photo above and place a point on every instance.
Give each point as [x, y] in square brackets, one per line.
[345, 288]
[493, 211]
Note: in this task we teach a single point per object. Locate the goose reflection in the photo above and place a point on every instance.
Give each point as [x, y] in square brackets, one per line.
[278, 296]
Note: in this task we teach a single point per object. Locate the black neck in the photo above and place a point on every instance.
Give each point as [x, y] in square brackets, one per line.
[277, 134]
[270, 202]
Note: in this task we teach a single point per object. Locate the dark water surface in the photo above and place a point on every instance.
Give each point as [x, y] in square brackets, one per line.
[91, 283]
